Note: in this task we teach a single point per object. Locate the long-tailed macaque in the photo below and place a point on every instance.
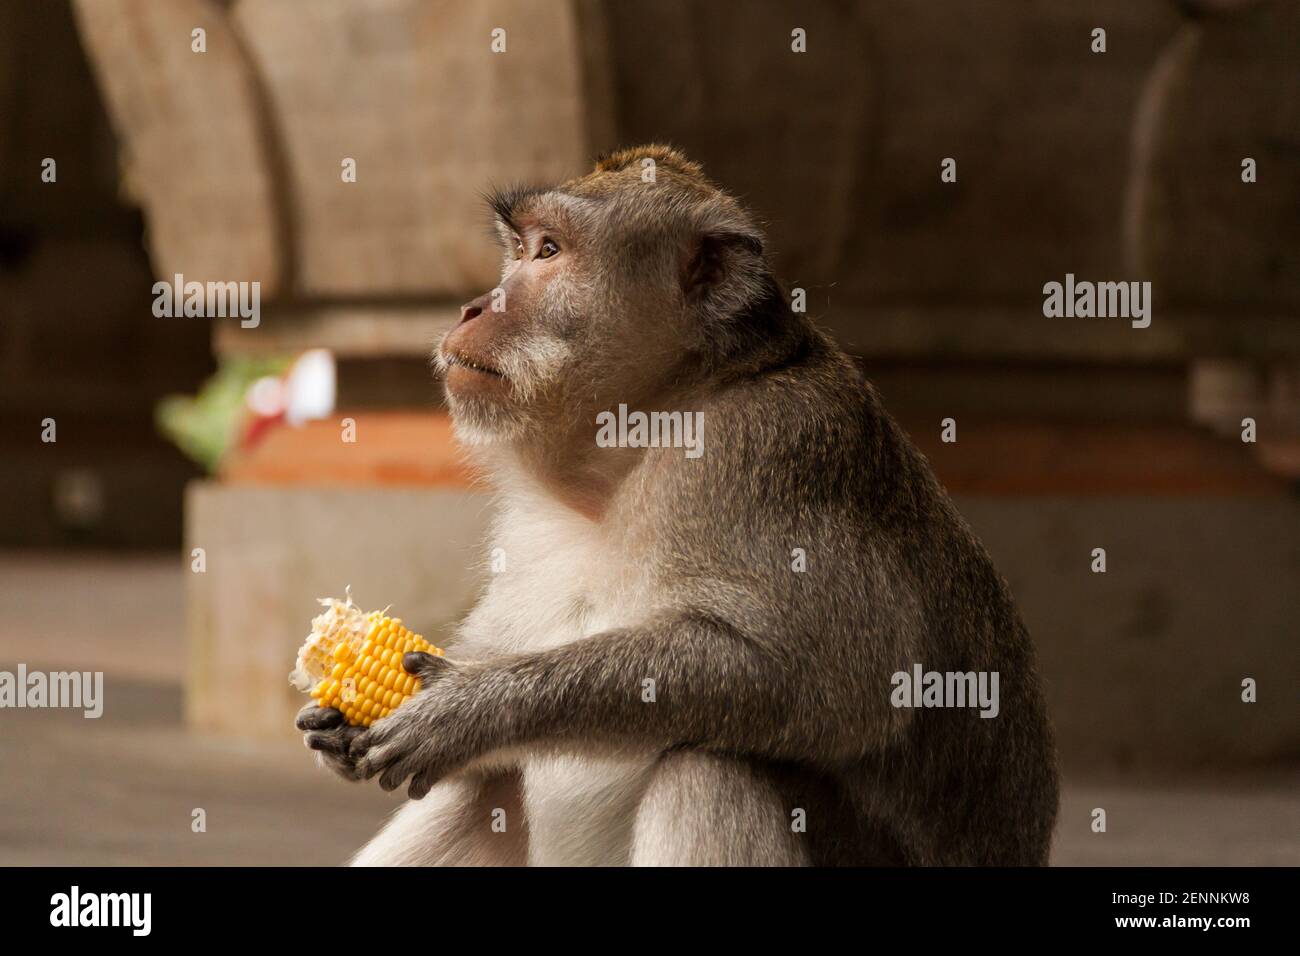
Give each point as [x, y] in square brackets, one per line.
[695, 651]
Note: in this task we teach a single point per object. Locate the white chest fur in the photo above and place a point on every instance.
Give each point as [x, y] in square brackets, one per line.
[556, 579]
[581, 809]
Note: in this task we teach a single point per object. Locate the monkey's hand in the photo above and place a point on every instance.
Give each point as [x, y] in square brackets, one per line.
[424, 739]
[329, 735]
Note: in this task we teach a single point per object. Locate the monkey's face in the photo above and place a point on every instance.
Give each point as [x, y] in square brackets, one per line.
[609, 284]
[507, 359]
[569, 324]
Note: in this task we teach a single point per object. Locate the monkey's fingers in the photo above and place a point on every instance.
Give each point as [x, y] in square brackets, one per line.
[318, 718]
[392, 778]
[421, 784]
[427, 667]
[416, 764]
[377, 758]
[334, 742]
[361, 745]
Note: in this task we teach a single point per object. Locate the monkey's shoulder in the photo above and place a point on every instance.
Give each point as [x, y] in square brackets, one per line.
[813, 432]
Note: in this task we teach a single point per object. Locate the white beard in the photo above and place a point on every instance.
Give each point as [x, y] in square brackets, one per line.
[532, 366]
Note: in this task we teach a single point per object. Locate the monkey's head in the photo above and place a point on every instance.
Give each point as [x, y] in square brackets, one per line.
[627, 284]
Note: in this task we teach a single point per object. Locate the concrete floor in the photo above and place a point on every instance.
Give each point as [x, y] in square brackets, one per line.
[121, 790]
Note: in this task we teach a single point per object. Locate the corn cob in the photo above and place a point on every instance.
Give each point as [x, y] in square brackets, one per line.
[352, 661]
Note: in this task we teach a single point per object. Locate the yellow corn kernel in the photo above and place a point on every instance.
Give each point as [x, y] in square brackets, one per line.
[353, 661]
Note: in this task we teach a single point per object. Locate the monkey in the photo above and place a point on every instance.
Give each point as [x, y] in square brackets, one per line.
[653, 679]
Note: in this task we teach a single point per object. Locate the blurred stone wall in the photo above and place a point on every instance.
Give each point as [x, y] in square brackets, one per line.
[1118, 165]
[77, 342]
[247, 138]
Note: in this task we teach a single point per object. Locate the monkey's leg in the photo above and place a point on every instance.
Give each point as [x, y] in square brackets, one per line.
[705, 810]
[463, 821]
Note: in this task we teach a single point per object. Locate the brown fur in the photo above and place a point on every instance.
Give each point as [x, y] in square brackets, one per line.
[773, 686]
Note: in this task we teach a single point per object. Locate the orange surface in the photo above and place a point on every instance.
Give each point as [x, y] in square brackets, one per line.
[391, 448]
[395, 448]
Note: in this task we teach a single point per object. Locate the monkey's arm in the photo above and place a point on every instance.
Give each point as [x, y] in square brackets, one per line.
[713, 688]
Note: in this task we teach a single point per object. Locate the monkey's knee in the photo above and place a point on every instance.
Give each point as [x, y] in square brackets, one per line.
[460, 822]
[706, 810]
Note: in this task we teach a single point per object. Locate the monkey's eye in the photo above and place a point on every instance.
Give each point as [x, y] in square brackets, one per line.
[547, 250]
[519, 248]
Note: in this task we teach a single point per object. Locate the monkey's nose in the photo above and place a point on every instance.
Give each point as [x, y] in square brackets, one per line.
[472, 310]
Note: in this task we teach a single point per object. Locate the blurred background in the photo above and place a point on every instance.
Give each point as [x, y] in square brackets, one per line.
[202, 492]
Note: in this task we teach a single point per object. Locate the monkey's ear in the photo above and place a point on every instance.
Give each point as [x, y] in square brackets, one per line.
[724, 268]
